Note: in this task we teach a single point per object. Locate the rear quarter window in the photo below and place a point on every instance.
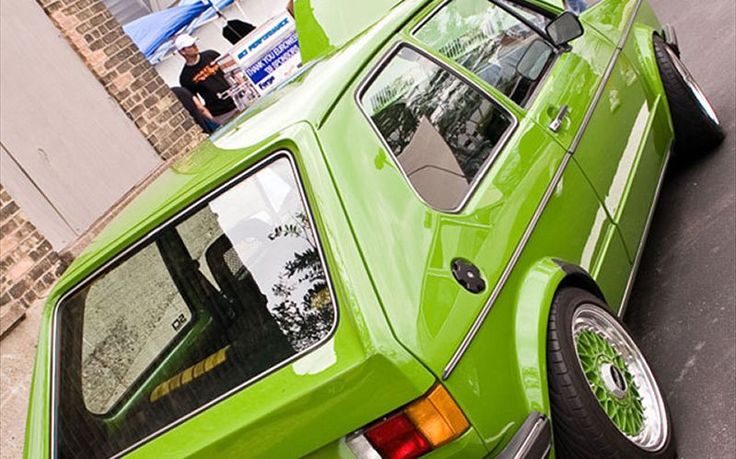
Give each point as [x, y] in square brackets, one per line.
[215, 300]
[442, 131]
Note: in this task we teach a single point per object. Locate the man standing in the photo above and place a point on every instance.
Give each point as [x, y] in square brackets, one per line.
[201, 75]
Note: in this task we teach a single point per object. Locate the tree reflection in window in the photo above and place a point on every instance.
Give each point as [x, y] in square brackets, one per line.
[305, 321]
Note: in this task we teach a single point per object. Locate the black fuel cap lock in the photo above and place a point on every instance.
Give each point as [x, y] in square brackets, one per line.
[467, 275]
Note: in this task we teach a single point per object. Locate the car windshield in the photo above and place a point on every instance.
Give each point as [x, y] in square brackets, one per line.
[210, 303]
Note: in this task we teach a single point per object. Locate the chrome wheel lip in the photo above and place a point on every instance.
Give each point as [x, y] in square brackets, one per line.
[655, 431]
[694, 87]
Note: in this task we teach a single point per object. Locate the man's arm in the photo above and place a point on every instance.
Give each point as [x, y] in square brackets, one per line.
[202, 109]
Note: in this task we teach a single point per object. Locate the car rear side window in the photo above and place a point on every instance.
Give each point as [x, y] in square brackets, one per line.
[213, 301]
[442, 131]
[487, 40]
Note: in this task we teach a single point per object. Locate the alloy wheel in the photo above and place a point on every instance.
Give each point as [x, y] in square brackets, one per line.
[619, 377]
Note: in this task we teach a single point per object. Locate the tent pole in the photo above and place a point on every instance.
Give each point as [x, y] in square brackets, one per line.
[242, 13]
[214, 7]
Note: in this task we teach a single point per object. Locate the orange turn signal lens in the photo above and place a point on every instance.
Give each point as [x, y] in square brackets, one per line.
[437, 417]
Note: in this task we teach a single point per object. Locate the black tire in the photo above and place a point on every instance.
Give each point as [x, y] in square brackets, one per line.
[695, 130]
[581, 427]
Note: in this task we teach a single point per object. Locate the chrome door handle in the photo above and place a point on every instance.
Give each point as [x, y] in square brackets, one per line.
[556, 123]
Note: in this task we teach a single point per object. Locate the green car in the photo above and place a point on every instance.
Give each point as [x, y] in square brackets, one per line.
[419, 245]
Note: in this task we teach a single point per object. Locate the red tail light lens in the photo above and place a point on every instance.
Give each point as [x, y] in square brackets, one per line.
[397, 438]
[418, 428]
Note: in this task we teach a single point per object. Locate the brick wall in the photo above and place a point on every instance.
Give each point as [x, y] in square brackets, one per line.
[123, 70]
[28, 265]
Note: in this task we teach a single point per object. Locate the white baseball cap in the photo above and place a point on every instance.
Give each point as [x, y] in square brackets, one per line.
[184, 41]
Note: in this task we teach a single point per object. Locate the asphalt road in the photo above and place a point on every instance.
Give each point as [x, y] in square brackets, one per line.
[684, 300]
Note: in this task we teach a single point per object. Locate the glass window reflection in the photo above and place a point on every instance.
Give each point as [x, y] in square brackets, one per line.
[486, 40]
[210, 303]
[442, 131]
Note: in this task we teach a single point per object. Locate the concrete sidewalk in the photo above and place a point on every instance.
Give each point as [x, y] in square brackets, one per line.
[17, 352]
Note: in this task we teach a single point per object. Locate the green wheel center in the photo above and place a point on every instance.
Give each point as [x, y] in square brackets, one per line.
[611, 382]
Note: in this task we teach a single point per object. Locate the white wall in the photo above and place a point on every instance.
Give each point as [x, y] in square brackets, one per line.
[68, 150]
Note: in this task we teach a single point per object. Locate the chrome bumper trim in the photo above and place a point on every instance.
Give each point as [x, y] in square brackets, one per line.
[533, 440]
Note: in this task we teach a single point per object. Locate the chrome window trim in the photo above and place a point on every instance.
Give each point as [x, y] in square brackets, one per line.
[176, 218]
[470, 335]
[502, 141]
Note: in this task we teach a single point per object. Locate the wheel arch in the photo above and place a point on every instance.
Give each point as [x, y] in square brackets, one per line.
[535, 295]
[576, 276]
[639, 49]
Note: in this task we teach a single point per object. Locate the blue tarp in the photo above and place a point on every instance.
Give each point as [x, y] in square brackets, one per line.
[153, 30]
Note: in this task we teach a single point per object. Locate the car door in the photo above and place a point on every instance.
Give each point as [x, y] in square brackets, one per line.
[612, 124]
[566, 85]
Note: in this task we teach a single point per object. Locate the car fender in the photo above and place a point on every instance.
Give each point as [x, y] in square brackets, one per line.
[535, 295]
[639, 50]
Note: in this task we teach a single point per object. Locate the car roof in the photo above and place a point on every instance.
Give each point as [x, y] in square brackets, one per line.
[325, 25]
[305, 100]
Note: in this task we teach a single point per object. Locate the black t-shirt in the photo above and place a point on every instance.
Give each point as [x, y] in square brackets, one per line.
[207, 80]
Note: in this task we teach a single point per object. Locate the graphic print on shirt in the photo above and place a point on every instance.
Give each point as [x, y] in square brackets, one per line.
[206, 72]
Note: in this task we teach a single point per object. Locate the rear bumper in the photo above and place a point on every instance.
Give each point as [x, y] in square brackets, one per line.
[533, 440]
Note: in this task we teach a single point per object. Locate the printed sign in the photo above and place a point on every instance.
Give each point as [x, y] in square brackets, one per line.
[262, 38]
[269, 62]
[270, 54]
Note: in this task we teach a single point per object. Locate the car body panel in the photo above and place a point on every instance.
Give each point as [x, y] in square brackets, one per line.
[619, 166]
[510, 387]
[425, 305]
[610, 18]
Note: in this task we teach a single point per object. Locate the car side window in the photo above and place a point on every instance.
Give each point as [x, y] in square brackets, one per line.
[442, 131]
[487, 40]
[208, 304]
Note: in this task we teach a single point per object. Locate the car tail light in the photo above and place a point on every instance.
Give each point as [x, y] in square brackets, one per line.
[397, 438]
[418, 428]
